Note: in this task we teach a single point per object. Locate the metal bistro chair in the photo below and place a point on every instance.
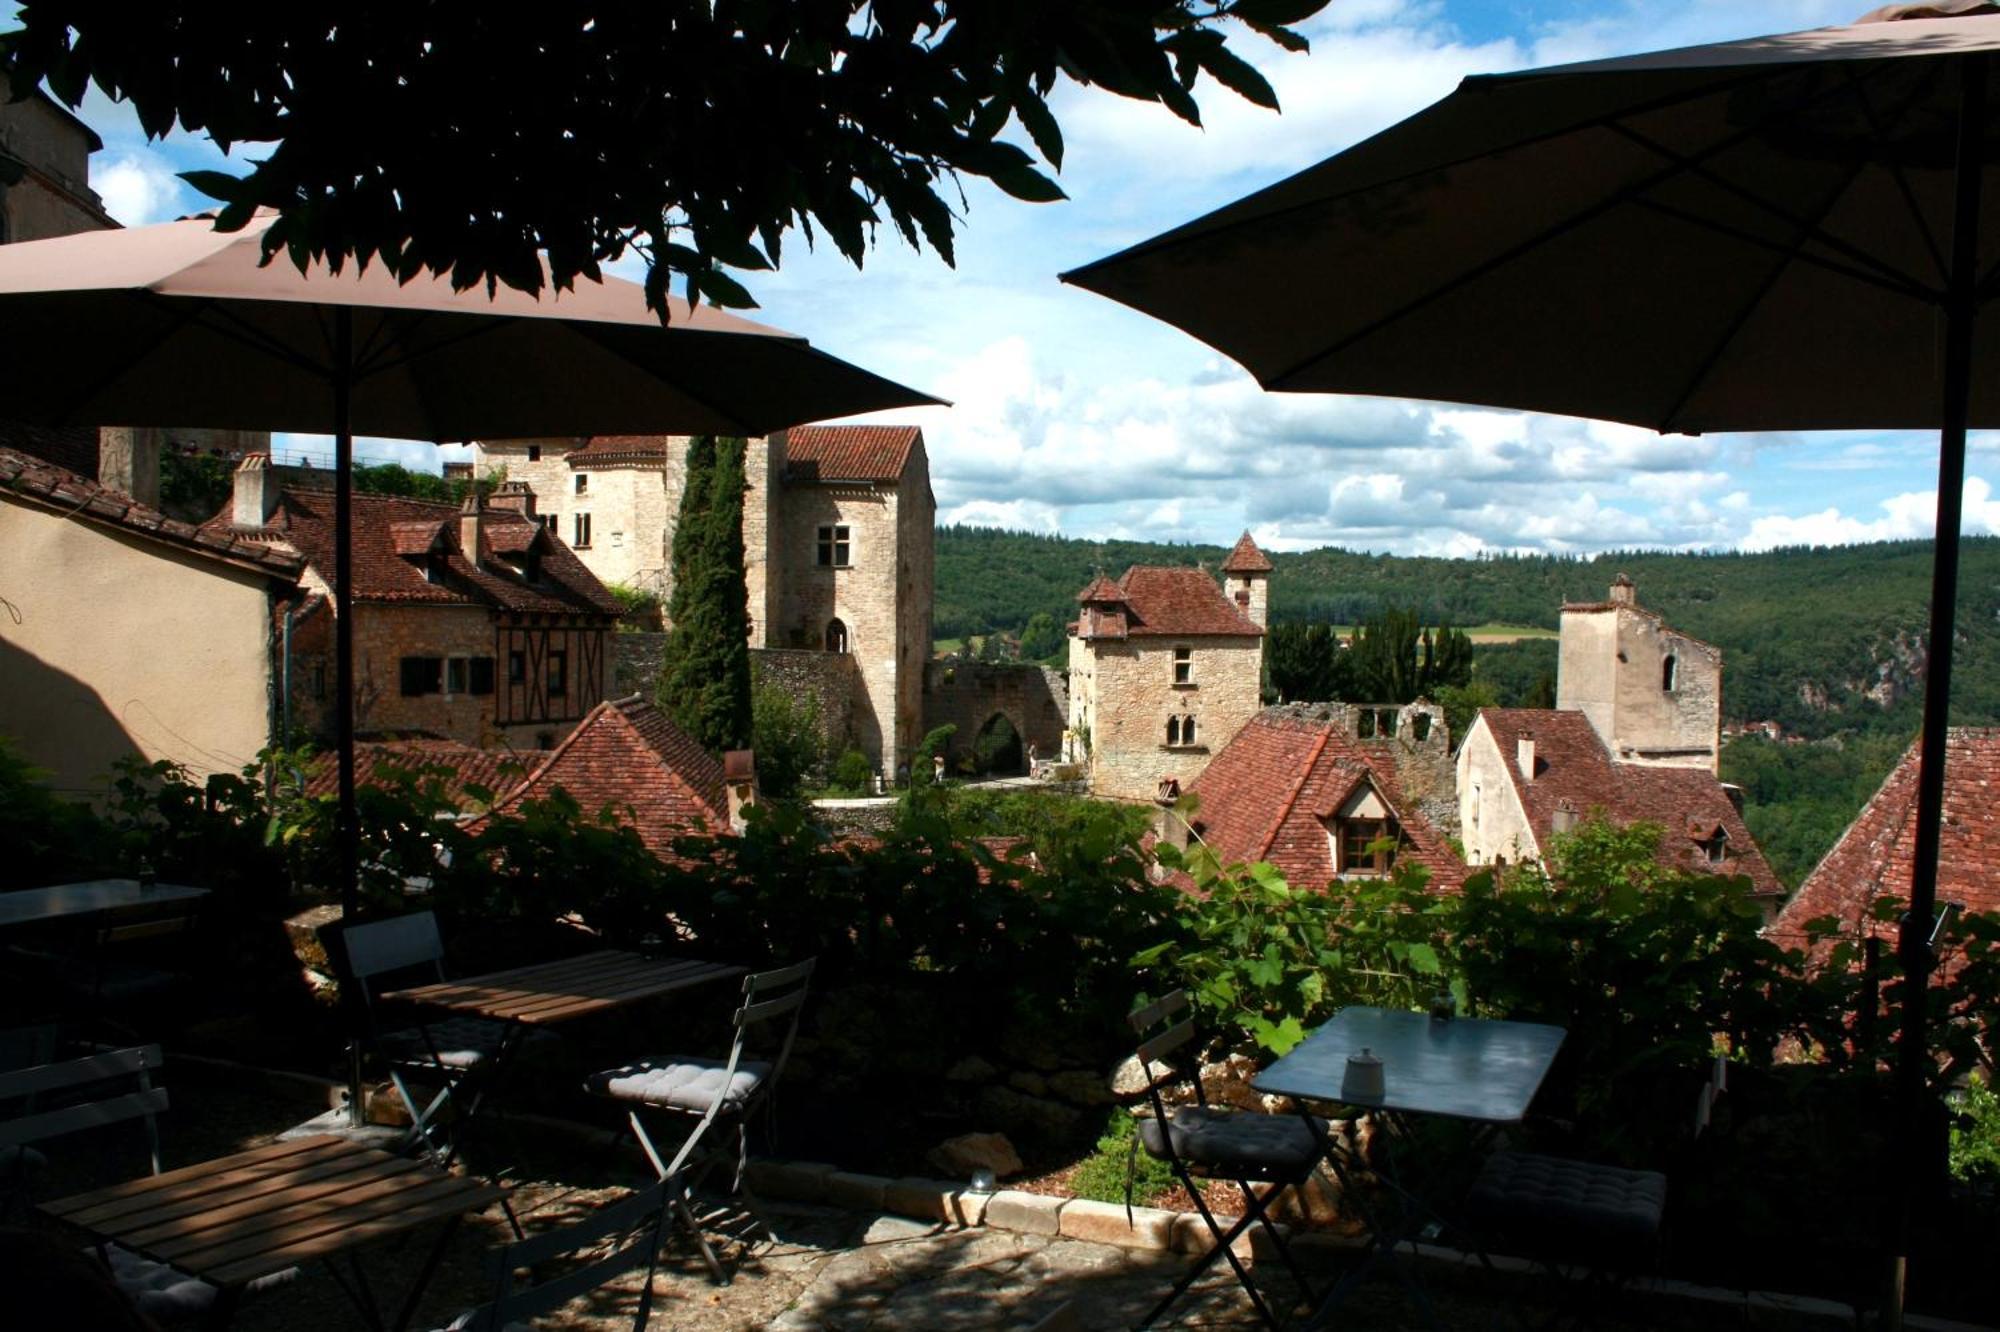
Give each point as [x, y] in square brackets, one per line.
[703, 1092]
[460, 1052]
[1200, 1141]
[638, 1224]
[24, 1093]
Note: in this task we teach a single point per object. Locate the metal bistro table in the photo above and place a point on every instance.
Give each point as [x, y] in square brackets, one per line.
[230, 1221]
[63, 901]
[1481, 1071]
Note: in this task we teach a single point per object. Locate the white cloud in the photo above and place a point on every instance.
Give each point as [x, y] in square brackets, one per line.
[137, 187]
[1904, 517]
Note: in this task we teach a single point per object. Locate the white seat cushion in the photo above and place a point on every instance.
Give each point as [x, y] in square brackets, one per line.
[680, 1082]
[161, 1290]
[460, 1042]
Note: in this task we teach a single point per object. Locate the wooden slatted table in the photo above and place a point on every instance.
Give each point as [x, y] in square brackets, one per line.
[552, 992]
[232, 1220]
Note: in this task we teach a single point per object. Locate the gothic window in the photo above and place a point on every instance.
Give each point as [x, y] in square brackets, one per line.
[1173, 731]
[1667, 674]
[1183, 666]
[582, 532]
[835, 546]
[836, 636]
[1187, 730]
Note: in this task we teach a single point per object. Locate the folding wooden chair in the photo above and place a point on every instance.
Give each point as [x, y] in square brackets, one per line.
[1199, 1141]
[638, 1223]
[459, 1052]
[702, 1092]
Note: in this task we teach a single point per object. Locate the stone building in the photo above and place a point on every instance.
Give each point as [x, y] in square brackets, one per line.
[128, 632]
[1652, 693]
[838, 531]
[1165, 669]
[471, 624]
[1301, 788]
[1633, 736]
[45, 192]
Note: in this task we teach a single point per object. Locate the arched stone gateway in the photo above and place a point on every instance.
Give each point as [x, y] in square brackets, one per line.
[997, 749]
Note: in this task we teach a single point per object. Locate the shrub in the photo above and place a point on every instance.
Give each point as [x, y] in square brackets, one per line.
[853, 773]
[785, 732]
[1104, 1173]
[1975, 1133]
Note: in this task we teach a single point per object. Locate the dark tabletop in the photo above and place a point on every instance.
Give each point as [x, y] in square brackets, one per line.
[25, 906]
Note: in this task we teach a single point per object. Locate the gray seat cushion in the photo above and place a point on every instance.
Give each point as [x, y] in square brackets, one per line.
[460, 1042]
[1548, 1206]
[164, 1292]
[680, 1082]
[1237, 1142]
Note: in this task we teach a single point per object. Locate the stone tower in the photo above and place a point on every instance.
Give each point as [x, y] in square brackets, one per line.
[1652, 694]
[1246, 576]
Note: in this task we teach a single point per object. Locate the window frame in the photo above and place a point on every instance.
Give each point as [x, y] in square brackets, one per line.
[1352, 857]
[582, 484]
[1184, 667]
[580, 531]
[427, 673]
[834, 546]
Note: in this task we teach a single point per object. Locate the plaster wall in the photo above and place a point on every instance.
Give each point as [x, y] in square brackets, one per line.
[119, 645]
[1611, 668]
[1491, 819]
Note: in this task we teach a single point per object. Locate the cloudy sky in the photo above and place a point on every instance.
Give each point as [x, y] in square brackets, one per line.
[1076, 415]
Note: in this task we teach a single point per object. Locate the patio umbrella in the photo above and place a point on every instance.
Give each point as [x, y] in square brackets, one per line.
[1787, 232]
[180, 322]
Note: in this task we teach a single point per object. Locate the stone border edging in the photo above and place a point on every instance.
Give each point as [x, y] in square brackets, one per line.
[1163, 1230]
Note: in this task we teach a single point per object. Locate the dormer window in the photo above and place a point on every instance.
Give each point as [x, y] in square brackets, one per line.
[1364, 835]
[1715, 849]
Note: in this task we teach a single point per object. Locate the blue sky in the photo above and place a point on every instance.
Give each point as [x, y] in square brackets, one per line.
[1077, 415]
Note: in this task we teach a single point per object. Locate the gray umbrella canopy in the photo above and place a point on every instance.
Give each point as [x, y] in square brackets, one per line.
[1793, 232]
[1741, 236]
[181, 322]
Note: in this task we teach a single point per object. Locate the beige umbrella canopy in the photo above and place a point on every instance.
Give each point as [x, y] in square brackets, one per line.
[1790, 232]
[186, 324]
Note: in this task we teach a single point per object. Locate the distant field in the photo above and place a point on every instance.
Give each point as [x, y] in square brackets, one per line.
[944, 647]
[1483, 633]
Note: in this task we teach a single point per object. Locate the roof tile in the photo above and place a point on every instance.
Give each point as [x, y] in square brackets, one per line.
[1246, 558]
[1181, 602]
[820, 454]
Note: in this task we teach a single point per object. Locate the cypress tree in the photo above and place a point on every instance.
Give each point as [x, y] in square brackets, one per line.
[705, 672]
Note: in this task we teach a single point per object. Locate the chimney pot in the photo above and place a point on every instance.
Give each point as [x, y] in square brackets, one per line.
[1524, 756]
[1623, 593]
[515, 496]
[255, 494]
[470, 517]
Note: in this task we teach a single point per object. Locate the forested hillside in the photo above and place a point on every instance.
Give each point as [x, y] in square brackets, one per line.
[1825, 641]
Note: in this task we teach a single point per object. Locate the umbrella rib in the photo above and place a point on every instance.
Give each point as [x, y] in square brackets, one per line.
[484, 327]
[1906, 286]
[1808, 230]
[236, 328]
[1938, 261]
[590, 332]
[1749, 307]
[180, 315]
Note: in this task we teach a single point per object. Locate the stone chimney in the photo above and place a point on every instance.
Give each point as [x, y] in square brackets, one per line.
[1524, 755]
[739, 781]
[470, 518]
[1623, 593]
[514, 496]
[255, 497]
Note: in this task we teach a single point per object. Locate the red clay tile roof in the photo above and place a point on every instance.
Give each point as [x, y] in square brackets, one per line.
[1574, 771]
[630, 756]
[63, 491]
[387, 529]
[625, 448]
[72, 448]
[1246, 558]
[1872, 858]
[1268, 794]
[848, 453]
[1101, 589]
[1181, 602]
[495, 769]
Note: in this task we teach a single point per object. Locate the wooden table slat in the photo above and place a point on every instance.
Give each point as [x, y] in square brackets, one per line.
[558, 991]
[195, 1180]
[468, 1195]
[127, 1216]
[591, 996]
[167, 1237]
[484, 994]
[518, 977]
[259, 1235]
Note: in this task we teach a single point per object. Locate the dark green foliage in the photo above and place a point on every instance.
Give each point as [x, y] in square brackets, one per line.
[1799, 799]
[47, 839]
[853, 774]
[194, 486]
[1047, 819]
[1462, 704]
[1395, 659]
[786, 735]
[1307, 663]
[935, 742]
[1042, 639]
[705, 670]
[843, 117]
[1104, 1173]
[639, 610]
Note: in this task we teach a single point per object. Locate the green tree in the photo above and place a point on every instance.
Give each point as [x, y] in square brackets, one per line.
[785, 731]
[697, 132]
[1042, 639]
[1396, 659]
[1462, 703]
[705, 670]
[1307, 663]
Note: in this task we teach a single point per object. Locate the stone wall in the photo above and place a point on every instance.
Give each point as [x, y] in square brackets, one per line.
[635, 663]
[827, 678]
[1612, 668]
[966, 694]
[1131, 694]
[862, 596]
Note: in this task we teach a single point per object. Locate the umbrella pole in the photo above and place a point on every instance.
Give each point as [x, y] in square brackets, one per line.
[347, 850]
[1913, 946]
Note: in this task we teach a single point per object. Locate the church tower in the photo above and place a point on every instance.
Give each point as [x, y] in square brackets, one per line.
[1652, 693]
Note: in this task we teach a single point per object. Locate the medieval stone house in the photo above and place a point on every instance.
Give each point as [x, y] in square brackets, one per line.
[1165, 669]
[1634, 735]
[471, 624]
[838, 525]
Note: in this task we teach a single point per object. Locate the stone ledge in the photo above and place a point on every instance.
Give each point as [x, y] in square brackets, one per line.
[859, 1193]
[793, 1181]
[1106, 1223]
[1029, 1213]
[935, 1200]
